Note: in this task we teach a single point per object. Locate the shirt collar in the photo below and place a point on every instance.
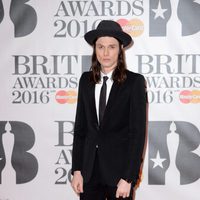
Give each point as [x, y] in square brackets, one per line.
[109, 75]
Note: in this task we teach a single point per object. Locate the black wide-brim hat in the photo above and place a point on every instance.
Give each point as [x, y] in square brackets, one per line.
[108, 28]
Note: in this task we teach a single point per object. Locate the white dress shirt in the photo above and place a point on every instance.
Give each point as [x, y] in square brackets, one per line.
[98, 86]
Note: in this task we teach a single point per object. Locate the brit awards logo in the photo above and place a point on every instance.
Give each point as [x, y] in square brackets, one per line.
[64, 148]
[40, 79]
[22, 16]
[17, 165]
[164, 12]
[174, 153]
[73, 19]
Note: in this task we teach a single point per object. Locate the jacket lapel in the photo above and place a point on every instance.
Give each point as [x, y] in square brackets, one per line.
[112, 98]
[91, 92]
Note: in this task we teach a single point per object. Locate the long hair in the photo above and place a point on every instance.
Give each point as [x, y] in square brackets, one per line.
[119, 73]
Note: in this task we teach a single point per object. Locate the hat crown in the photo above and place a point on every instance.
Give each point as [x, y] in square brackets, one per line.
[108, 28]
[109, 25]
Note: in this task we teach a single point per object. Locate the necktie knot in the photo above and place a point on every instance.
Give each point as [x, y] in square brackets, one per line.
[105, 78]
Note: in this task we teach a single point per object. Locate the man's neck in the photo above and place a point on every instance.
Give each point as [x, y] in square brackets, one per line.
[107, 70]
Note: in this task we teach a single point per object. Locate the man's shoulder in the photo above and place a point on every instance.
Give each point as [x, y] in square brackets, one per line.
[134, 75]
[135, 79]
[85, 76]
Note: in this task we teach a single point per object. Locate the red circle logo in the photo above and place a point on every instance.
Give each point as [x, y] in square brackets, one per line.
[63, 96]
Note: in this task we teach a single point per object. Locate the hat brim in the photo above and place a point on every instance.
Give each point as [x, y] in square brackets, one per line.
[123, 37]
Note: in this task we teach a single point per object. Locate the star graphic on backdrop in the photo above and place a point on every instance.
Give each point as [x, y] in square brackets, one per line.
[158, 161]
[197, 1]
[159, 12]
[197, 151]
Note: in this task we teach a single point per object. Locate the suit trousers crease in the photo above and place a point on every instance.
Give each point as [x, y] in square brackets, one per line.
[96, 189]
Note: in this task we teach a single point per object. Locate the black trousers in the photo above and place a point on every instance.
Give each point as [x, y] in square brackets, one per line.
[95, 189]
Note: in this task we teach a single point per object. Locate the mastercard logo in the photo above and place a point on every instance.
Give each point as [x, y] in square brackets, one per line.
[134, 27]
[69, 96]
[187, 96]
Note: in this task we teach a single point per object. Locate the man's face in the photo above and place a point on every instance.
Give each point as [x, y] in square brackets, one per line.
[107, 51]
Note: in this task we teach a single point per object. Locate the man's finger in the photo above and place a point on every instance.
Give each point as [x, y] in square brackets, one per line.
[75, 188]
[125, 195]
[81, 188]
[117, 194]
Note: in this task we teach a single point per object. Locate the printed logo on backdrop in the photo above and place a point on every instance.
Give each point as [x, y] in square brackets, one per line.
[174, 153]
[22, 15]
[74, 18]
[171, 78]
[162, 14]
[40, 79]
[17, 164]
[64, 152]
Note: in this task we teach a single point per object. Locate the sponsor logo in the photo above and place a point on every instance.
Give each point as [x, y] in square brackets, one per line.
[187, 96]
[134, 27]
[69, 97]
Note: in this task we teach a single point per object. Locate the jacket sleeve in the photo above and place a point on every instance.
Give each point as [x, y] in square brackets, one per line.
[79, 130]
[137, 130]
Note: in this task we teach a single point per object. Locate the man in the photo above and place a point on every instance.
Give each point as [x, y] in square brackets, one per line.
[109, 132]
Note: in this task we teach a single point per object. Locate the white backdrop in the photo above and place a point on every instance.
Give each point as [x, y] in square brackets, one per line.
[42, 57]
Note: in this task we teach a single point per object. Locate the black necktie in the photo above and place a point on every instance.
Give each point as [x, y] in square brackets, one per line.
[102, 99]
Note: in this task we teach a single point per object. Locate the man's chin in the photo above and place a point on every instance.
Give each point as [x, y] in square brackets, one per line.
[107, 66]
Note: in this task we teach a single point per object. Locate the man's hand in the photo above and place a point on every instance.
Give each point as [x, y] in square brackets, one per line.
[123, 189]
[77, 182]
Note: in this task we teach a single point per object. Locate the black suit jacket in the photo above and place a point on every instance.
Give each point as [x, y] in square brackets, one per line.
[121, 135]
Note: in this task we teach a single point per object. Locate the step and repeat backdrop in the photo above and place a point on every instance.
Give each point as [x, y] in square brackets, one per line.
[42, 56]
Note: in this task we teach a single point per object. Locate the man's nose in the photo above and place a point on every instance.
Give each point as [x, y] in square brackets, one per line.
[106, 51]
